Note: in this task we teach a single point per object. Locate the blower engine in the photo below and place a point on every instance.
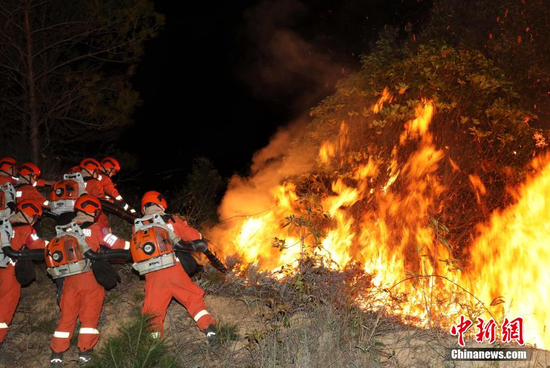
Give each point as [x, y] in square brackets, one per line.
[7, 200]
[151, 245]
[5, 239]
[64, 254]
[65, 193]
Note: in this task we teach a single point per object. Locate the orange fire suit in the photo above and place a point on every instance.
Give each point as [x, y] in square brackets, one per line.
[109, 188]
[163, 285]
[7, 179]
[11, 179]
[27, 191]
[95, 188]
[82, 298]
[10, 289]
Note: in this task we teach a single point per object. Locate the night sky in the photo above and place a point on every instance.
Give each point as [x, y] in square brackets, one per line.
[230, 75]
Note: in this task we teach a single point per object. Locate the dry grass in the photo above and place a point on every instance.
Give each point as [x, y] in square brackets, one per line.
[305, 320]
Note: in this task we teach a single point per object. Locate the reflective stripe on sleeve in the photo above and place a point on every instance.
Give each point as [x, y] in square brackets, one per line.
[126, 245]
[110, 239]
[119, 198]
[46, 203]
[34, 237]
[19, 194]
[88, 330]
[3, 325]
[61, 334]
[201, 314]
[126, 206]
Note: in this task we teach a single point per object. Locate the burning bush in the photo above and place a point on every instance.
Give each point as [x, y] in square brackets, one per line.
[422, 137]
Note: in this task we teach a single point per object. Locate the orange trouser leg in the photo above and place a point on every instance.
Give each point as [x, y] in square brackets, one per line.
[90, 310]
[10, 292]
[191, 296]
[70, 305]
[157, 299]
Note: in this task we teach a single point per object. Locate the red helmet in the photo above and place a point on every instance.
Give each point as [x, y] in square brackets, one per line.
[29, 168]
[90, 165]
[88, 204]
[74, 169]
[110, 163]
[153, 197]
[30, 208]
[7, 163]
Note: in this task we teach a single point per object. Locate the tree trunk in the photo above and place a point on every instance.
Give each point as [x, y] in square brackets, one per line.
[32, 104]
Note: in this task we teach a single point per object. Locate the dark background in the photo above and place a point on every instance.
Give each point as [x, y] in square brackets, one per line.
[220, 79]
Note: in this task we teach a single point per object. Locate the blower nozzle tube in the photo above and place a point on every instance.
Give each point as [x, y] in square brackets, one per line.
[108, 255]
[33, 254]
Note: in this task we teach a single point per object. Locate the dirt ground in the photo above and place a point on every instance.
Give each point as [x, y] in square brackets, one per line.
[28, 339]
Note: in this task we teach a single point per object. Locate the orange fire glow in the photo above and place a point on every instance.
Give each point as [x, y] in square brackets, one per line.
[392, 230]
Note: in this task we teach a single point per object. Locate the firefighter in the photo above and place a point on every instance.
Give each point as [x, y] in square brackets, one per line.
[82, 295]
[172, 282]
[8, 171]
[111, 167]
[90, 168]
[62, 200]
[24, 235]
[27, 183]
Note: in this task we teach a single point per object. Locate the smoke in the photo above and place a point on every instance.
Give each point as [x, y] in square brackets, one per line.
[280, 159]
[284, 65]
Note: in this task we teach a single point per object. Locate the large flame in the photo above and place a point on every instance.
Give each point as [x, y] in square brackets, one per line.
[511, 256]
[393, 232]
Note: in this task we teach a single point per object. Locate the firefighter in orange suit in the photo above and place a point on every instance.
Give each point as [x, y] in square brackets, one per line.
[90, 168]
[27, 213]
[82, 296]
[26, 186]
[111, 167]
[8, 170]
[163, 285]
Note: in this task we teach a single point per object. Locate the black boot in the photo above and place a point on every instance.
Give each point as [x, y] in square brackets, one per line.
[212, 338]
[56, 361]
[85, 357]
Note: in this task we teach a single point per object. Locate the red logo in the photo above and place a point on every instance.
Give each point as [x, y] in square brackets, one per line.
[486, 331]
[513, 330]
[460, 329]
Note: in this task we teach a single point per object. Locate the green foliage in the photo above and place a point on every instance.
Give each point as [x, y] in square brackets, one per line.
[479, 122]
[470, 94]
[46, 325]
[134, 347]
[227, 332]
[513, 34]
[308, 218]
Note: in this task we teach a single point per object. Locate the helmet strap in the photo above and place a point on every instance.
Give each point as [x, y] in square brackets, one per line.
[24, 177]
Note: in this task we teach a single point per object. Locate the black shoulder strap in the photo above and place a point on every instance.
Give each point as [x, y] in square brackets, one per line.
[168, 218]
